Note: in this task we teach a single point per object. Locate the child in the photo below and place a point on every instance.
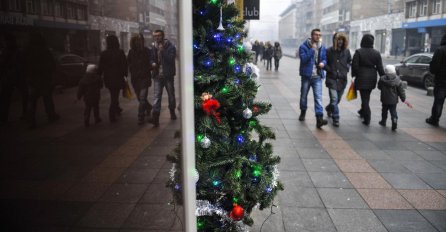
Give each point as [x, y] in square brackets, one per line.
[90, 89]
[391, 88]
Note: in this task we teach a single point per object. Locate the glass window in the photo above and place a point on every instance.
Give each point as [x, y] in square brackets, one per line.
[15, 5]
[58, 9]
[81, 13]
[436, 7]
[423, 7]
[424, 60]
[47, 7]
[71, 11]
[412, 59]
[412, 8]
[31, 6]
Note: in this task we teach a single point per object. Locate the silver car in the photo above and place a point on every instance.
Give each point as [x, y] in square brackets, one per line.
[415, 69]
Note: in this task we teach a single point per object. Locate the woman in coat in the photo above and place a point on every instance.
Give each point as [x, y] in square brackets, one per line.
[113, 68]
[366, 65]
[268, 55]
[277, 55]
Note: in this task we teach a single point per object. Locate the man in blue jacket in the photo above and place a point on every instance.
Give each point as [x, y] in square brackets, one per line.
[312, 62]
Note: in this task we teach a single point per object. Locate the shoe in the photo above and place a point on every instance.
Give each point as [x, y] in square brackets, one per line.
[432, 122]
[336, 123]
[173, 116]
[394, 124]
[367, 123]
[302, 115]
[382, 123]
[320, 122]
[360, 114]
[155, 119]
[329, 111]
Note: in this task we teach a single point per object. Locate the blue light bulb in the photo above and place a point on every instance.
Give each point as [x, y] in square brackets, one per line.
[268, 189]
[240, 139]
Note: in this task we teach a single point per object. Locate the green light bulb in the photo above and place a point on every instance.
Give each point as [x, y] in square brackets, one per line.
[225, 90]
[214, 1]
[256, 173]
[238, 174]
[232, 61]
[235, 200]
[240, 48]
[252, 123]
[200, 223]
[200, 137]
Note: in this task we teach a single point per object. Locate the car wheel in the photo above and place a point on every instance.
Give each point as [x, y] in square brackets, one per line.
[428, 81]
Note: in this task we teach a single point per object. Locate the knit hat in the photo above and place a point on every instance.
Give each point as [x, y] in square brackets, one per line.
[390, 69]
[92, 69]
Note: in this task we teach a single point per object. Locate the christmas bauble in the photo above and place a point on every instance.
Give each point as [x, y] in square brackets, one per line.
[247, 113]
[237, 213]
[196, 176]
[205, 142]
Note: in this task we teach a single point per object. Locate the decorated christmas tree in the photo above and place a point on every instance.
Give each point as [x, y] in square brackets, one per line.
[236, 169]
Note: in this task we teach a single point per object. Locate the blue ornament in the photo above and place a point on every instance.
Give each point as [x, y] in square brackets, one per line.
[248, 71]
[195, 46]
[255, 180]
[253, 158]
[217, 37]
[177, 187]
[237, 68]
[237, 81]
[229, 40]
[240, 139]
[207, 63]
[268, 189]
[216, 183]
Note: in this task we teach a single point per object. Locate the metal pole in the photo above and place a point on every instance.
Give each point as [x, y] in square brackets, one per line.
[187, 112]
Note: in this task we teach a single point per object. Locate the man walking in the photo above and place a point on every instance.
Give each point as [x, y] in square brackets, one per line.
[438, 68]
[163, 75]
[312, 62]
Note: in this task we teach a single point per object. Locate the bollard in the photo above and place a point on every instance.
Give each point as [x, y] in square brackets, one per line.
[430, 91]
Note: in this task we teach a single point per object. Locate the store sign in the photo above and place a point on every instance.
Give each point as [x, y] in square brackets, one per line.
[251, 9]
[16, 20]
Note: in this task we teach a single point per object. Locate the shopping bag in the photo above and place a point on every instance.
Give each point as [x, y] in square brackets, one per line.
[127, 92]
[351, 94]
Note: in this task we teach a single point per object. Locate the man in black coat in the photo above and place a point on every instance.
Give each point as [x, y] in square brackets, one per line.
[367, 62]
[438, 68]
[338, 64]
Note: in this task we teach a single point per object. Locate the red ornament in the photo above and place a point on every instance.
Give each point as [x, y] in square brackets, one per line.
[255, 109]
[210, 106]
[237, 213]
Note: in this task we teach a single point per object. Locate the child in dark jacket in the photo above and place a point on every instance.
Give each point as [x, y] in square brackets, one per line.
[391, 88]
[90, 89]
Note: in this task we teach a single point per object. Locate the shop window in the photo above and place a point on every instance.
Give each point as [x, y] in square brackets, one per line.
[71, 11]
[81, 13]
[15, 5]
[47, 7]
[412, 9]
[32, 6]
[58, 9]
[436, 7]
[423, 8]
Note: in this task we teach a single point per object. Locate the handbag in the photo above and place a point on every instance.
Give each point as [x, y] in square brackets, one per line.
[127, 92]
[351, 94]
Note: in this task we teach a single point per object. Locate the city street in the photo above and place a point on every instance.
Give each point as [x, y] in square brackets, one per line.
[111, 177]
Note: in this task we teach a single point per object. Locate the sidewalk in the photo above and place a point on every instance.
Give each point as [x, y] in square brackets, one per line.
[108, 177]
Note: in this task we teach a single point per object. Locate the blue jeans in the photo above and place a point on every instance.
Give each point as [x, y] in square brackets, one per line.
[335, 98]
[316, 84]
[159, 84]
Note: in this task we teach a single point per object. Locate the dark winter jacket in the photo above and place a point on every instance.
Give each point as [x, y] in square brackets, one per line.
[268, 53]
[90, 88]
[113, 68]
[366, 63]
[438, 64]
[277, 52]
[140, 63]
[391, 88]
[308, 61]
[39, 66]
[338, 66]
[166, 59]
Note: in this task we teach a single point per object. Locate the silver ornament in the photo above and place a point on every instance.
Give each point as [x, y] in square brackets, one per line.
[196, 176]
[247, 113]
[205, 142]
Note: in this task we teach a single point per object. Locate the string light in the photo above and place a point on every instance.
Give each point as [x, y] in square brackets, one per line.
[240, 139]
[224, 90]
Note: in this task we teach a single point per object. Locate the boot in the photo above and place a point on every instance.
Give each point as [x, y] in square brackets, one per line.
[302, 115]
[432, 121]
[394, 123]
[149, 112]
[173, 116]
[382, 122]
[336, 122]
[360, 113]
[320, 121]
[329, 110]
[156, 119]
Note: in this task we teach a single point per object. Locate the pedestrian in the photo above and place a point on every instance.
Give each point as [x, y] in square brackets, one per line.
[268, 55]
[140, 60]
[11, 77]
[261, 51]
[338, 65]
[90, 90]
[113, 69]
[256, 49]
[39, 66]
[312, 62]
[391, 88]
[367, 62]
[277, 54]
[438, 69]
[163, 75]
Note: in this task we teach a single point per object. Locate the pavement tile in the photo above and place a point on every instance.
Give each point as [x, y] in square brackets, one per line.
[436, 180]
[85, 191]
[334, 144]
[103, 175]
[341, 198]
[150, 216]
[367, 181]
[117, 162]
[294, 178]
[329, 180]
[355, 220]
[313, 153]
[320, 165]
[373, 154]
[388, 166]
[157, 194]
[436, 218]
[384, 199]
[432, 155]
[291, 164]
[425, 199]
[124, 193]
[405, 181]
[404, 221]
[300, 197]
[106, 215]
[343, 154]
[306, 219]
[421, 166]
[274, 222]
[138, 175]
[354, 166]
[439, 163]
[442, 192]
[403, 155]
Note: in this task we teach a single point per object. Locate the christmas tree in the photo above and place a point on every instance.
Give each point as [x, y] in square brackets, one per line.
[236, 170]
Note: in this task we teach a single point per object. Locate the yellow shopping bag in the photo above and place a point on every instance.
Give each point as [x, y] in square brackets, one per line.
[351, 94]
[127, 92]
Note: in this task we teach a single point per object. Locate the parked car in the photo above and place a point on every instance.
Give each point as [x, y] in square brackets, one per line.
[70, 69]
[415, 69]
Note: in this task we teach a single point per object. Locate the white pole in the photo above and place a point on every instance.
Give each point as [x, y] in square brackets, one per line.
[187, 113]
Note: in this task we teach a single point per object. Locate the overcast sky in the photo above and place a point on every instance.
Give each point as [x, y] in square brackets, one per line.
[267, 27]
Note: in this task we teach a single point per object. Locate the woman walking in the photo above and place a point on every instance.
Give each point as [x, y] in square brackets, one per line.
[367, 62]
[113, 68]
[277, 55]
[268, 55]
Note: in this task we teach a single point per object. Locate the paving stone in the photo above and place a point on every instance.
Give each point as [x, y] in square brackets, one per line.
[384, 199]
[405, 181]
[425, 199]
[85, 191]
[436, 180]
[404, 221]
[106, 215]
[403, 155]
[330, 180]
[301, 197]
[421, 166]
[341, 198]
[432, 155]
[354, 166]
[138, 175]
[436, 218]
[104, 175]
[157, 193]
[373, 154]
[291, 164]
[320, 165]
[388, 166]
[150, 216]
[308, 153]
[294, 178]
[124, 193]
[306, 219]
[344, 154]
[439, 163]
[274, 222]
[367, 180]
[355, 220]
[442, 192]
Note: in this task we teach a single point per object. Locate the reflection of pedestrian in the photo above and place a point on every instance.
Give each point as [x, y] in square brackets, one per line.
[268, 55]
[256, 49]
[113, 68]
[139, 60]
[366, 63]
[397, 48]
[277, 54]
[39, 69]
[12, 77]
[164, 72]
[438, 68]
[90, 89]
